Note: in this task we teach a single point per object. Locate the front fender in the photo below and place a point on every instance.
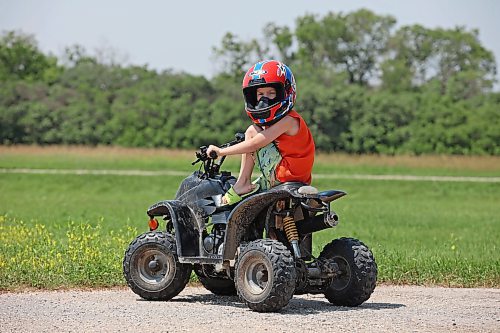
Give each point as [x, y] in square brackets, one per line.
[188, 226]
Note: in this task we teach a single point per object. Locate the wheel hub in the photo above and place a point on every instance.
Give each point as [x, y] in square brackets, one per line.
[154, 266]
[257, 277]
[343, 277]
[261, 278]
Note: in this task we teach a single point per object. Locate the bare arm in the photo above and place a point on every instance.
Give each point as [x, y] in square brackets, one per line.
[260, 140]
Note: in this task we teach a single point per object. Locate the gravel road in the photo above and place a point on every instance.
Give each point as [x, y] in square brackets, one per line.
[390, 309]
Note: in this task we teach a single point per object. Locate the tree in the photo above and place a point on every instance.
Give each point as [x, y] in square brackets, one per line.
[20, 58]
[351, 43]
[410, 50]
[362, 88]
[282, 40]
[453, 57]
[459, 50]
[236, 55]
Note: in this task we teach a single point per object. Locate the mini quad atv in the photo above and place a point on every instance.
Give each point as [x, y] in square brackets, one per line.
[259, 248]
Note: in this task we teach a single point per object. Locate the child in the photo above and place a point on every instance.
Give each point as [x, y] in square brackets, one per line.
[279, 137]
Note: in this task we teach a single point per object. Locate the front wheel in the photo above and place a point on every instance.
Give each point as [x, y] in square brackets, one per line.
[151, 267]
[358, 277]
[265, 275]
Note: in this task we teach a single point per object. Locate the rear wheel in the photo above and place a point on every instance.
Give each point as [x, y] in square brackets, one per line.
[218, 286]
[151, 267]
[358, 277]
[265, 275]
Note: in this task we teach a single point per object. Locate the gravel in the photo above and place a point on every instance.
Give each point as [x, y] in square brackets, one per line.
[391, 308]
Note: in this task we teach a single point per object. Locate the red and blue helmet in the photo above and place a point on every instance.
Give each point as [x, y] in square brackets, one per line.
[269, 73]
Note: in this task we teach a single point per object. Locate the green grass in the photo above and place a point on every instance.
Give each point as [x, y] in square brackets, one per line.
[95, 158]
[72, 230]
[163, 159]
[424, 232]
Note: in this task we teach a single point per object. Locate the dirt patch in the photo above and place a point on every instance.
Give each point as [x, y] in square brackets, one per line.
[100, 151]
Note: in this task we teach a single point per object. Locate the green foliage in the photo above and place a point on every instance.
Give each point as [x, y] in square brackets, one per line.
[21, 59]
[363, 87]
[68, 255]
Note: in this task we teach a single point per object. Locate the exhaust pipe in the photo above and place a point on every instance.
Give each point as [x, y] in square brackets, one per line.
[317, 223]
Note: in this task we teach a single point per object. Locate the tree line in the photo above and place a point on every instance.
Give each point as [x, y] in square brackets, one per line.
[363, 87]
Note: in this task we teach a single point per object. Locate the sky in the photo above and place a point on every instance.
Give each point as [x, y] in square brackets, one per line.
[180, 35]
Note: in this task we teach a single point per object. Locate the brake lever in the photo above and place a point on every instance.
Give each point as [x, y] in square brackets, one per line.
[201, 155]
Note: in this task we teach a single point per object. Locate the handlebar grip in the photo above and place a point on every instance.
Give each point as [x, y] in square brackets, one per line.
[213, 155]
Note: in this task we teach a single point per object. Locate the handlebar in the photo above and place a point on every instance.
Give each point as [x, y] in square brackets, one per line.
[213, 155]
[211, 167]
[238, 137]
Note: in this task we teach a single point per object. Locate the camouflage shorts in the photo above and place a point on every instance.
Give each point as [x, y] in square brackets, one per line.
[267, 160]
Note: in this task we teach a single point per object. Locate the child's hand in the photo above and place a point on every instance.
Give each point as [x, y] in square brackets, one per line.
[216, 149]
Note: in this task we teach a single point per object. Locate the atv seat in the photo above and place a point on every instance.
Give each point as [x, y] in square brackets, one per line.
[308, 190]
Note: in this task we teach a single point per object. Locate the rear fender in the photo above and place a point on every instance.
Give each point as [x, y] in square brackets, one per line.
[329, 196]
[187, 225]
[247, 210]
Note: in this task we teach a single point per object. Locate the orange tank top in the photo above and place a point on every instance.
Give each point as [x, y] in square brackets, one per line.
[297, 153]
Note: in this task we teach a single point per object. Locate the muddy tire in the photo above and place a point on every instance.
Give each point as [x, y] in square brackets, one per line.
[151, 267]
[359, 272]
[265, 275]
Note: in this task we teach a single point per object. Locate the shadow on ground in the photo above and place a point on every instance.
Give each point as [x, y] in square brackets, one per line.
[298, 305]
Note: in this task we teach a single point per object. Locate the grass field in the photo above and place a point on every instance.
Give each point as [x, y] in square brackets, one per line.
[72, 230]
